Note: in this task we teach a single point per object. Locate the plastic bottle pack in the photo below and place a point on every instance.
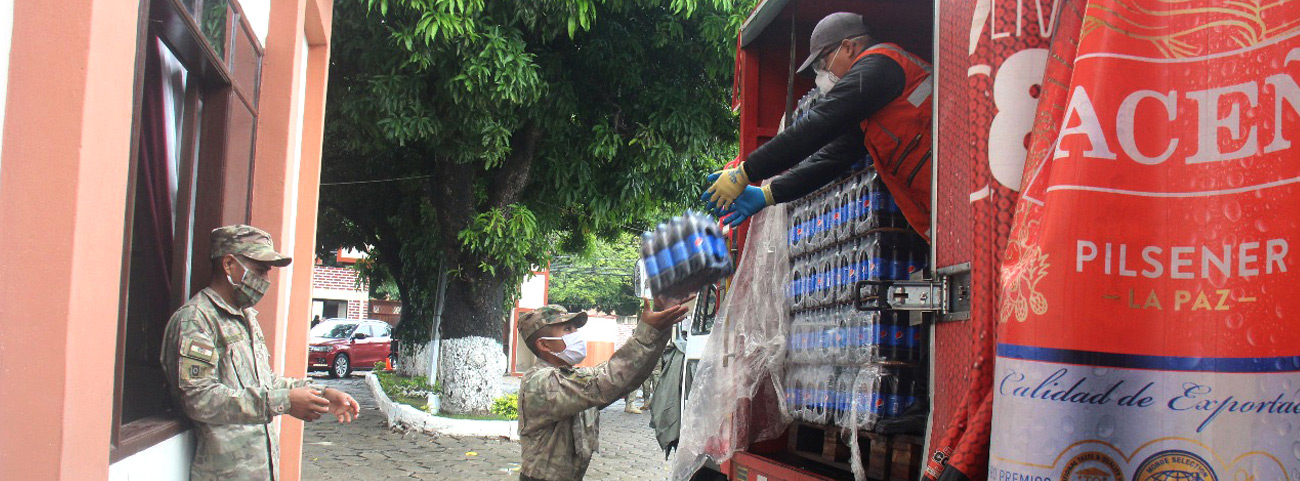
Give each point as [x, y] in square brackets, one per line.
[685, 254]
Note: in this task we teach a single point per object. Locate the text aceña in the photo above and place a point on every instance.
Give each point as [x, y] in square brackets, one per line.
[1219, 111]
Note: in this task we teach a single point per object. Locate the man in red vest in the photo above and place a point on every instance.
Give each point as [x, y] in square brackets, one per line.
[877, 103]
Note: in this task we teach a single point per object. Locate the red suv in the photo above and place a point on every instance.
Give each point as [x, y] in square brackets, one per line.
[341, 345]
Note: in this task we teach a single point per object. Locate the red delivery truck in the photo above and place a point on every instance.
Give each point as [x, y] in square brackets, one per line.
[846, 348]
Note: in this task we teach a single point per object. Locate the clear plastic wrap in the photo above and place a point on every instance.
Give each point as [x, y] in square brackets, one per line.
[738, 394]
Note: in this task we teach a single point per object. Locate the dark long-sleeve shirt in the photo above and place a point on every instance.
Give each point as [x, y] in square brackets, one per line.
[831, 132]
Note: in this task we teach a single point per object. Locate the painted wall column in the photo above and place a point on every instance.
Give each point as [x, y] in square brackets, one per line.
[286, 184]
[66, 171]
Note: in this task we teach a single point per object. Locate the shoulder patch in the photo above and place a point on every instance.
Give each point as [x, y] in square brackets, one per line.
[581, 375]
[198, 350]
[191, 369]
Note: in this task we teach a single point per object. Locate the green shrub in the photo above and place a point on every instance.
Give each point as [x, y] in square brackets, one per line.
[408, 390]
[506, 406]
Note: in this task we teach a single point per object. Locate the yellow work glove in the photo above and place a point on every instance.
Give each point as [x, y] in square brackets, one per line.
[727, 186]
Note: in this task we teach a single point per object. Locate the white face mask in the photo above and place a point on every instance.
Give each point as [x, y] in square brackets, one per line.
[575, 348]
[826, 80]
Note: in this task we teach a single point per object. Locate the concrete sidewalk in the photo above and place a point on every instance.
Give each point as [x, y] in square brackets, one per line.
[367, 450]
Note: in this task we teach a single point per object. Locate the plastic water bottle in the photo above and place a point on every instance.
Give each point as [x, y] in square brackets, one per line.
[862, 220]
[792, 291]
[889, 391]
[850, 274]
[792, 238]
[723, 264]
[677, 247]
[651, 262]
[807, 394]
[835, 209]
[844, 380]
[791, 392]
[874, 249]
[919, 260]
[822, 402]
[689, 229]
[794, 351]
[664, 258]
[866, 397]
[899, 250]
[885, 331]
[882, 212]
[868, 337]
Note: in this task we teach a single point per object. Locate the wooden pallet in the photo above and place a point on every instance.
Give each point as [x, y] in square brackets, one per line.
[884, 457]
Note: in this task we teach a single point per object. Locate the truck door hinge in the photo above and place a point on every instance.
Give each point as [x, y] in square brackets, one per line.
[948, 296]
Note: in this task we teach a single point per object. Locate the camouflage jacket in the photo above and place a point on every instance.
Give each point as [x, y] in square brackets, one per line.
[217, 364]
[558, 406]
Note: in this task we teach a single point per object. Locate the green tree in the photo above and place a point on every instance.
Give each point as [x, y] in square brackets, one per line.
[599, 279]
[502, 132]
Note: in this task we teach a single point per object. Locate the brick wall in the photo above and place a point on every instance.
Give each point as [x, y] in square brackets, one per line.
[325, 277]
[343, 278]
[359, 310]
[625, 330]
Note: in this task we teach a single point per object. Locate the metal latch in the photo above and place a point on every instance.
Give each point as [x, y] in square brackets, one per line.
[949, 295]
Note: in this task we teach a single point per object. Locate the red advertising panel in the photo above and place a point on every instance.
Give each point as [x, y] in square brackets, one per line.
[1147, 331]
[990, 67]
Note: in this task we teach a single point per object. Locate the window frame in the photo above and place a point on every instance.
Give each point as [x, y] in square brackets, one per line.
[206, 154]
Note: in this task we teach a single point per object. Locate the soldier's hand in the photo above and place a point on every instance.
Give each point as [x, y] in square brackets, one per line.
[665, 318]
[306, 404]
[342, 406]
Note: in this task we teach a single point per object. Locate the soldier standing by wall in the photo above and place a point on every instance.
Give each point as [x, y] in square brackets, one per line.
[219, 368]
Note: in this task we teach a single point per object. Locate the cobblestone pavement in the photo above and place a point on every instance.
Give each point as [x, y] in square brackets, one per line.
[367, 450]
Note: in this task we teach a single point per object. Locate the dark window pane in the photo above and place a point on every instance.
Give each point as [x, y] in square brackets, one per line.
[152, 271]
[246, 64]
[191, 6]
[239, 156]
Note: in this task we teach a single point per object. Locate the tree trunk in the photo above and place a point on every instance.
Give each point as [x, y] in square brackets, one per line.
[473, 358]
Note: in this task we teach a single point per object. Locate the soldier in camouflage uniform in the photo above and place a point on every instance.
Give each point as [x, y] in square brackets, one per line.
[559, 403]
[219, 369]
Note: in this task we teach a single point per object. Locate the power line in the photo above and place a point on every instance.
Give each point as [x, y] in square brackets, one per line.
[376, 181]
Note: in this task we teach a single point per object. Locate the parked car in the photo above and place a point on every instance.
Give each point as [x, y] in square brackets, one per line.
[339, 346]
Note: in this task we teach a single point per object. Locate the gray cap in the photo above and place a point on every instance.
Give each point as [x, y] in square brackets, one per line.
[831, 30]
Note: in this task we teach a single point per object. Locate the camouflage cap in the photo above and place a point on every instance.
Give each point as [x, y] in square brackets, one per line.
[536, 319]
[247, 241]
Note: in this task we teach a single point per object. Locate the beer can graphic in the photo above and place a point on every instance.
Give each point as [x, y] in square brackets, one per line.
[1149, 324]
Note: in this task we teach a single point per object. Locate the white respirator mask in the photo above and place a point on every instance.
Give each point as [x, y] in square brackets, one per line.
[826, 80]
[575, 347]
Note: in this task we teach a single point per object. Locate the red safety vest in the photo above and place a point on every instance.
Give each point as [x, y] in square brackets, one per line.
[898, 138]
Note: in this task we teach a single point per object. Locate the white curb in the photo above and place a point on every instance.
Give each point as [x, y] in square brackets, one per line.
[404, 415]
